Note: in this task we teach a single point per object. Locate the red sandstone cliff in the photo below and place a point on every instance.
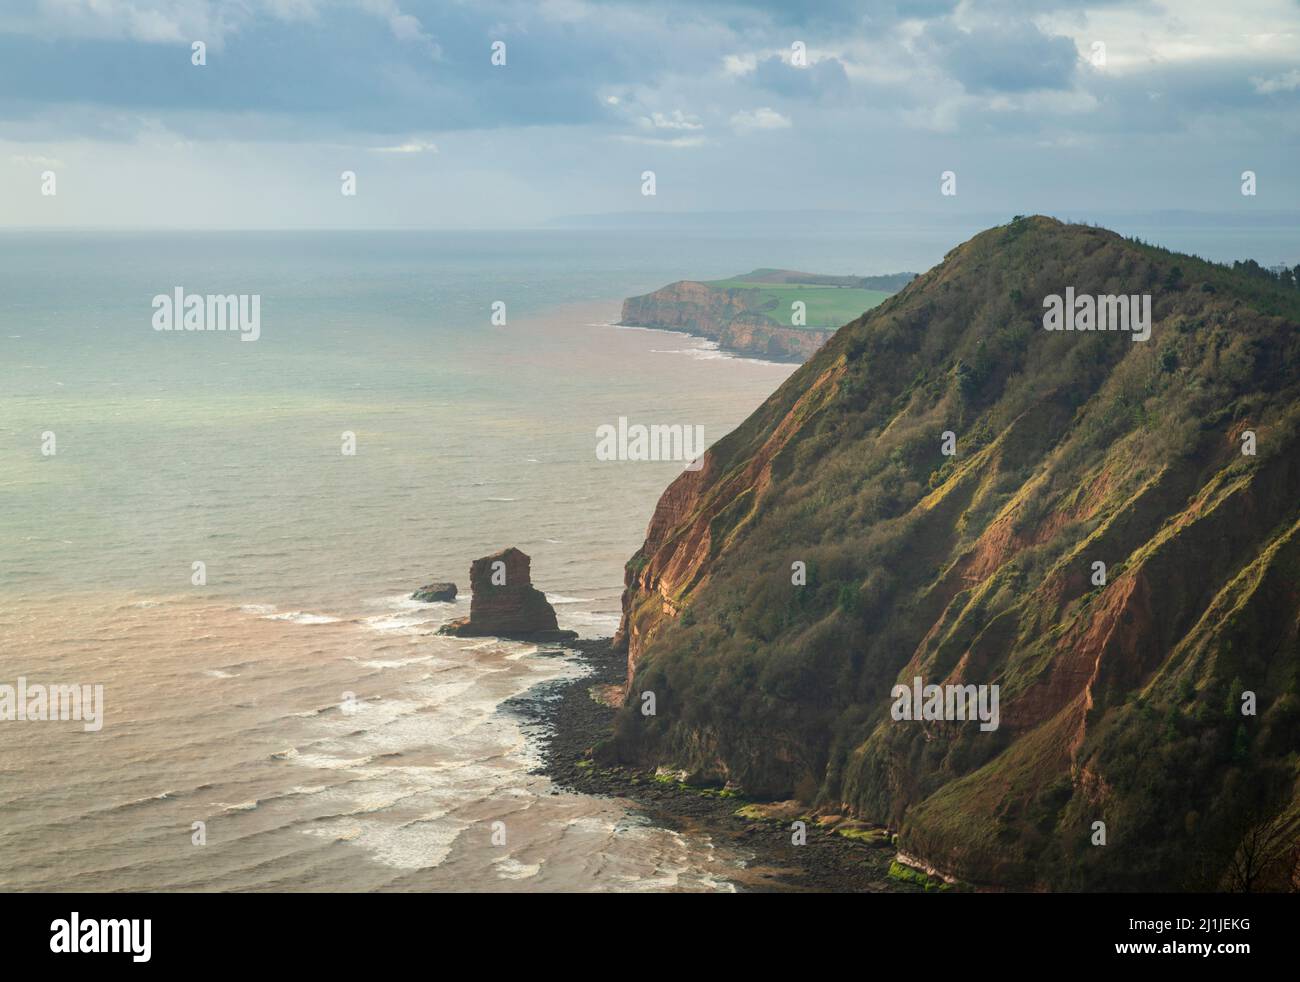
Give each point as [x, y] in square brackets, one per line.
[1122, 700]
[724, 316]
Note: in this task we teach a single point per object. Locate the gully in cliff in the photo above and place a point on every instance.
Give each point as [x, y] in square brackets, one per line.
[505, 604]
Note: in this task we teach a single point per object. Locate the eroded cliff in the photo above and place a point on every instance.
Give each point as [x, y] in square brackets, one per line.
[728, 317]
[1121, 697]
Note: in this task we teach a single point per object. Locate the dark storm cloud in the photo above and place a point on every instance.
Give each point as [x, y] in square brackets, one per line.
[349, 73]
[335, 70]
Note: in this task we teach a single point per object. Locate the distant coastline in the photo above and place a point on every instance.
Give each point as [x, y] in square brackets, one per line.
[772, 314]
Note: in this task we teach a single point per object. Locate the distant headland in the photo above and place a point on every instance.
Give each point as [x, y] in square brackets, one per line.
[775, 314]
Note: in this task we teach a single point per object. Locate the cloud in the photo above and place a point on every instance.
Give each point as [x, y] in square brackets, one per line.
[739, 65]
[823, 78]
[763, 118]
[34, 160]
[363, 72]
[412, 146]
[675, 142]
[1008, 57]
[590, 87]
[676, 120]
[1287, 82]
[143, 21]
[403, 26]
[291, 10]
[825, 15]
[354, 72]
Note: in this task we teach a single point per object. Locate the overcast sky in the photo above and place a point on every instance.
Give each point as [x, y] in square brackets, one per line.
[1009, 96]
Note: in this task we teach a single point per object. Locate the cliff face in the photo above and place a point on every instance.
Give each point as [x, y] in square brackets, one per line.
[725, 316]
[1121, 698]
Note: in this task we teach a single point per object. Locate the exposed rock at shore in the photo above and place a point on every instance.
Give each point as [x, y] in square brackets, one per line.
[505, 604]
[433, 593]
[835, 857]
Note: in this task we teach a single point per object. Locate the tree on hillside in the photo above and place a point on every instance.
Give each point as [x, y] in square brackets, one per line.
[1268, 854]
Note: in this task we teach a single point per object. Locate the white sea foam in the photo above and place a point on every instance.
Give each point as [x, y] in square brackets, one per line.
[509, 868]
[702, 352]
[160, 796]
[301, 617]
[577, 620]
[382, 663]
[397, 624]
[413, 846]
[394, 601]
[330, 763]
[638, 327]
[301, 789]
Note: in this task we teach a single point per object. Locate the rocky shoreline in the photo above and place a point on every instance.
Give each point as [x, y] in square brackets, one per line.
[841, 859]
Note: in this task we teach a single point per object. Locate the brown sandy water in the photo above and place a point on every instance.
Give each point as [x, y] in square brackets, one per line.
[298, 705]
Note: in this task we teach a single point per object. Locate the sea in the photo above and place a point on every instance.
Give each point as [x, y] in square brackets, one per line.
[180, 523]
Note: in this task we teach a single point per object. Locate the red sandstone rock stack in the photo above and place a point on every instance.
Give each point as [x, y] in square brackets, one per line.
[505, 604]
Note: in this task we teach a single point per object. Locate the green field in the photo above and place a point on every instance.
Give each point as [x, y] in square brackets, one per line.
[829, 307]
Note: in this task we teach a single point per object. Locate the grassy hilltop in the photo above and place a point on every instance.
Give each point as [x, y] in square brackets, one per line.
[1120, 703]
[830, 300]
[754, 314]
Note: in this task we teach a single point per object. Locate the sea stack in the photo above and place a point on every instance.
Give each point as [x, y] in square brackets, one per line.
[433, 593]
[505, 604]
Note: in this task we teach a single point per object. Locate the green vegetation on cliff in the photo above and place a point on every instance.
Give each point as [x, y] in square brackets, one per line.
[755, 314]
[1121, 703]
[827, 307]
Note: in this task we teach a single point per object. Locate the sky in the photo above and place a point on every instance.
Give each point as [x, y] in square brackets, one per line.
[771, 105]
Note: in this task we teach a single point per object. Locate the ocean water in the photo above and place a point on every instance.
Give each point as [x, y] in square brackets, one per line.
[225, 703]
[298, 705]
